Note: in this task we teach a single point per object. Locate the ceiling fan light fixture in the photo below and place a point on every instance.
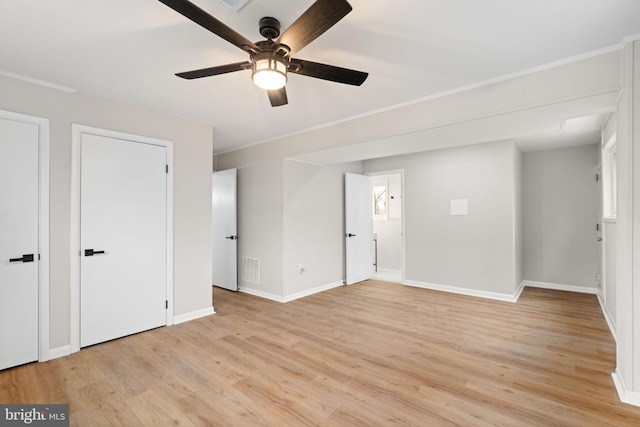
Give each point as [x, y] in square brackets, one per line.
[269, 71]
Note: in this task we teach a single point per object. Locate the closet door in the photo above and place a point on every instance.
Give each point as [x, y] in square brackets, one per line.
[18, 243]
[123, 238]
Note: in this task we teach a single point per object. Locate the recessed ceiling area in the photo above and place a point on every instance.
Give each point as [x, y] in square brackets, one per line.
[130, 50]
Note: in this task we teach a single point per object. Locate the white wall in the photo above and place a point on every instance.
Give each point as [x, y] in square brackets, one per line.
[499, 111]
[473, 252]
[560, 216]
[289, 213]
[518, 232]
[192, 188]
[260, 223]
[313, 218]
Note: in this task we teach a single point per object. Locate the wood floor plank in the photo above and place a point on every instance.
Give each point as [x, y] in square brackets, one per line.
[373, 354]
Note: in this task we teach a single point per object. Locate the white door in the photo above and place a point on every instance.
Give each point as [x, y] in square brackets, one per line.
[123, 238]
[358, 228]
[18, 243]
[225, 248]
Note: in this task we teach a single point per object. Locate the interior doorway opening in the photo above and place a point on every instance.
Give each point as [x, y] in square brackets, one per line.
[388, 225]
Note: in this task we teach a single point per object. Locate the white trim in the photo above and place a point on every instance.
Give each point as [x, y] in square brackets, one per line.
[312, 291]
[293, 159]
[76, 139]
[193, 315]
[562, 287]
[516, 295]
[292, 297]
[44, 83]
[43, 226]
[170, 295]
[610, 219]
[466, 291]
[58, 352]
[630, 38]
[261, 294]
[607, 317]
[626, 396]
[43, 239]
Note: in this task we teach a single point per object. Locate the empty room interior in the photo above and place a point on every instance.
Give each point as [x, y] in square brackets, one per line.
[322, 212]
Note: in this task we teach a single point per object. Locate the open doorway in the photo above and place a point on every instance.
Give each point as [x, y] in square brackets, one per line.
[388, 225]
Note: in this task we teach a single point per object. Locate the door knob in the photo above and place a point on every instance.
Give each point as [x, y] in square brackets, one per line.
[351, 235]
[91, 252]
[232, 237]
[599, 239]
[25, 258]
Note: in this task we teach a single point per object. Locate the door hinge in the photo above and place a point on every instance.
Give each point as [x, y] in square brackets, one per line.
[166, 304]
[38, 257]
[598, 227]
[597, 177]
[167, 169]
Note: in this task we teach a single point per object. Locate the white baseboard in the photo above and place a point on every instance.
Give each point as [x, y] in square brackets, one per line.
[312, 291]
[261, 294]
[193, 315]
[608, 318]
[561, 287]
[292, 297]
[467, 291]
[516, 295]
[626, 396]
[58, 352]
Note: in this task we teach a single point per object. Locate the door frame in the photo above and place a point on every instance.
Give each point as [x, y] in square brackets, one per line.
[600, 230]
[400, 172]
[76, 162]
[43, 226]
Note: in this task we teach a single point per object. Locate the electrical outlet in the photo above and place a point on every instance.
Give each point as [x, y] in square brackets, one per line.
[300, 268]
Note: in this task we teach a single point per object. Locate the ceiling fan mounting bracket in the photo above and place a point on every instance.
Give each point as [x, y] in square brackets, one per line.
[269, 27]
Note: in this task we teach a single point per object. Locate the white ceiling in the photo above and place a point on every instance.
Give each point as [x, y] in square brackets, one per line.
[129, 50]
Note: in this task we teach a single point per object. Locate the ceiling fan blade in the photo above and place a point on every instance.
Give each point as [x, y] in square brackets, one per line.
[202, 18]
[278, 97]
[321, 16]
[214, 71]
[327, 72]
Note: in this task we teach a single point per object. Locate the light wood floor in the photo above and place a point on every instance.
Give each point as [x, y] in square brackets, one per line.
[371, 354]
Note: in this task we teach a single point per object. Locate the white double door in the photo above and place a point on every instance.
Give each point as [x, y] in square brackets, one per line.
[19, 206]
[123, 238]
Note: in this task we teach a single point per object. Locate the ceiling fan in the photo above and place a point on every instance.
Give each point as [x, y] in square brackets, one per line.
[270, 60]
